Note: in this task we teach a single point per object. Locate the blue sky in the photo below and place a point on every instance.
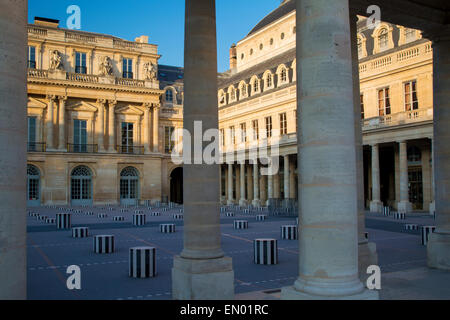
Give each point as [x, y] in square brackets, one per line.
[162, 21]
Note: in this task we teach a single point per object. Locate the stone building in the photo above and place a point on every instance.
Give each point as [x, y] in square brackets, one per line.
[97, 118]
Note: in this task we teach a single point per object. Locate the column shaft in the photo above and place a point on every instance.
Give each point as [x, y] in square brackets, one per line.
[62, 124]
[156, 129]
[101, 126]
[112, 126]
[230, 185]
[243, 200]
[286, 177]
[375, 204]
[146, 129]
[404, 205]
[49, 122]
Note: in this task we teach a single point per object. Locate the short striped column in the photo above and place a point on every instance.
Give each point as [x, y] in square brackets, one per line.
[426, 231]
[89, 213]
[411, 227]
[142, 262]
[155, 214]
[178, 216]
[386, 211]
[50, 221]
[147, 203]
[246, 211]
[230, 214]
[139, 219]
[123, 210]
[102, 215]
[63, 221]
[138, 211]
[399, 216]
[78, 211]
[261, 217]
[43, 218]
[118, 218]
[164, 209]
[240, 224]
[110, 209]
[223, 209]
[265, 251]
[289, 232]
[104, 244]
[167, 228]
[80, 232]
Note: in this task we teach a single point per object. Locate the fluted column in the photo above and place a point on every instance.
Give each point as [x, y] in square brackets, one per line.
[328, 229]
[49, 122]
[112, 126]
[376, 205]
[243, 199]
[230, 200]
[62, 124]
[256, 196]
[101, 125]
[404, 205]
[201, 271]
[155, 125]
[147, 128]
[439, 245]
[13, 138]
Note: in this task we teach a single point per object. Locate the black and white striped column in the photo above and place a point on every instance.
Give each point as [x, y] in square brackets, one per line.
[139, 219]
[142, 262]
[155, 214]
[386, 211]
[289, 232]
[240, 224]
[50, 221]
[104, 244]
[167, 228]
[102, 215]
[261, 217]
[426, 231]
[399, 216]
[118, 218]
[230, 214]
[138, 211]
[43, 218]
[265, 251]
[80, 232]
[63, 221]
[89, 213]
[178, 216]
[411, 227]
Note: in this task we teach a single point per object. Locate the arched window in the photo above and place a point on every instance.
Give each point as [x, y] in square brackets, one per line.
[283, 75]
[81, 186]
[129, 186]
[169, 95]
[243, 90]
[383, 39]
[269, 81]
[33, 186]
[255, 87]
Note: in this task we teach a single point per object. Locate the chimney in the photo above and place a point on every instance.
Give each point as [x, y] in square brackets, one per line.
[141, 39]
[233, 57]
[46, 22]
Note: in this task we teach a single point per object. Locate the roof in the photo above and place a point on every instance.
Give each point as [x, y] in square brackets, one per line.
[285, 8]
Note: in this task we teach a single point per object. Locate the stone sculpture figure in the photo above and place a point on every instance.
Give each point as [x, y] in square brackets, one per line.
[56, 60]
[149, 71]
[105, 66]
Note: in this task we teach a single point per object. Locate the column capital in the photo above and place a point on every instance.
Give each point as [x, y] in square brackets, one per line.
[147, 105]
[101, 101]
[51, 97]
[62, 98]
[402, 141]
[112, 103]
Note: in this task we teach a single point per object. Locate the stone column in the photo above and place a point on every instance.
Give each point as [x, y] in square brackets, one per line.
[230, 200]
[13, 138]
[62, 124]
[404, 205]
[112, 127]
[49, 122]
[433, 203]
[249, 170]
[276, 185]
[376, 205]
[292, 189]
[101, 125]
[243, 200]
[439, 244]
[256, 196]
[269, 187]
[146, 128]
[328, 230]
[156, 109]
[201, 272]
[286, 179]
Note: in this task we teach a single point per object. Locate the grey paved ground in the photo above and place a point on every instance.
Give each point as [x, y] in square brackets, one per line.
[402, 258]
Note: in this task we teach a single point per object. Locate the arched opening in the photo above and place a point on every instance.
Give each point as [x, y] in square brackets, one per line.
[81, 186]
[176, 186]
[129, 186]
[33, 186]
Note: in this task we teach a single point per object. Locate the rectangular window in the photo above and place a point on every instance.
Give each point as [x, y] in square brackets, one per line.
[80, 135]
[127, 68]
[361, 101]
[243, 133]
[80, 63]
[222, 137]
[232, 135]
[31, 129]
[255, 125]
[31, 57]
[127, 137]
[169, 141]
[384, 102]
[283, 124]
[411, 101]
[269, 127]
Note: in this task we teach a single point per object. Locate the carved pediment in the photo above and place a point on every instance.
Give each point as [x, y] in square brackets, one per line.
[35, 103]
[129, 110]
[82, 106]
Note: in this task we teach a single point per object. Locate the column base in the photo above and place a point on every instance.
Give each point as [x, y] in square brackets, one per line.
[432, 208]
[438, 250]
[256, 203]
[404, 207]
[376, 206]
[243, 203]
[290, 293]
[367, 256]
[209, 279]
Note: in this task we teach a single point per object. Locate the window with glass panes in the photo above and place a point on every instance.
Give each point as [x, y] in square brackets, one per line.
[283, 124]
[269, 127]
[361, 101]
[31, 57]
[255, 125]
[80, 62]
[169, 95]
[256, 86]
[80, 135]
[169, 141]
[283, 75]
[243, 133]
[269, 80]
[383, 39]
[127, 137]
[127, 66]
[411, 101]
[384, 102]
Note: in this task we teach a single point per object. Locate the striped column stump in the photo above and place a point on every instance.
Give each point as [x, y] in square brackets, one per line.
[289, 232]
[164, 209]
[138, 212]
[261, 217]
[147, 203]
[411, 227]
[104, 244]
[50, 221]
[80, 232]
[386, 211]
[139, 219]
[155, 214]
[63, 221]
[167, 228]
[399, 216]
[230, 214]
[246, 211]
[265, 251]
[110, 209]
[240, 224]
[34, 214]
[43, 218]
[30, 213]
[142, 262]
[178, 216]
[89, 213]
[123, 210]
[102, 215]
[78, 211]
[426, 231]
[222, 209]
[119, 218]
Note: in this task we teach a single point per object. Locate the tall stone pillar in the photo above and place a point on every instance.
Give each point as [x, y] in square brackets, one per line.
[286, 178]
[276, 185]
[230, 200]
[243, 200]
[292, 189]
[433, 203]
[328, 229]
[201, 272]
[62, 124]
[256, 196]
[156, 129]
[439, 244]
[146, 128]
[269, 187]
[13, 138]
[376, 205]
[49, 122]
[249, 170]
[112, 126]
[101, 125]
[404, 205]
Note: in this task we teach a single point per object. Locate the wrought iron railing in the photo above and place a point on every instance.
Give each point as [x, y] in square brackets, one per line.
[82, 148]
[130, 149]
[36, 147]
